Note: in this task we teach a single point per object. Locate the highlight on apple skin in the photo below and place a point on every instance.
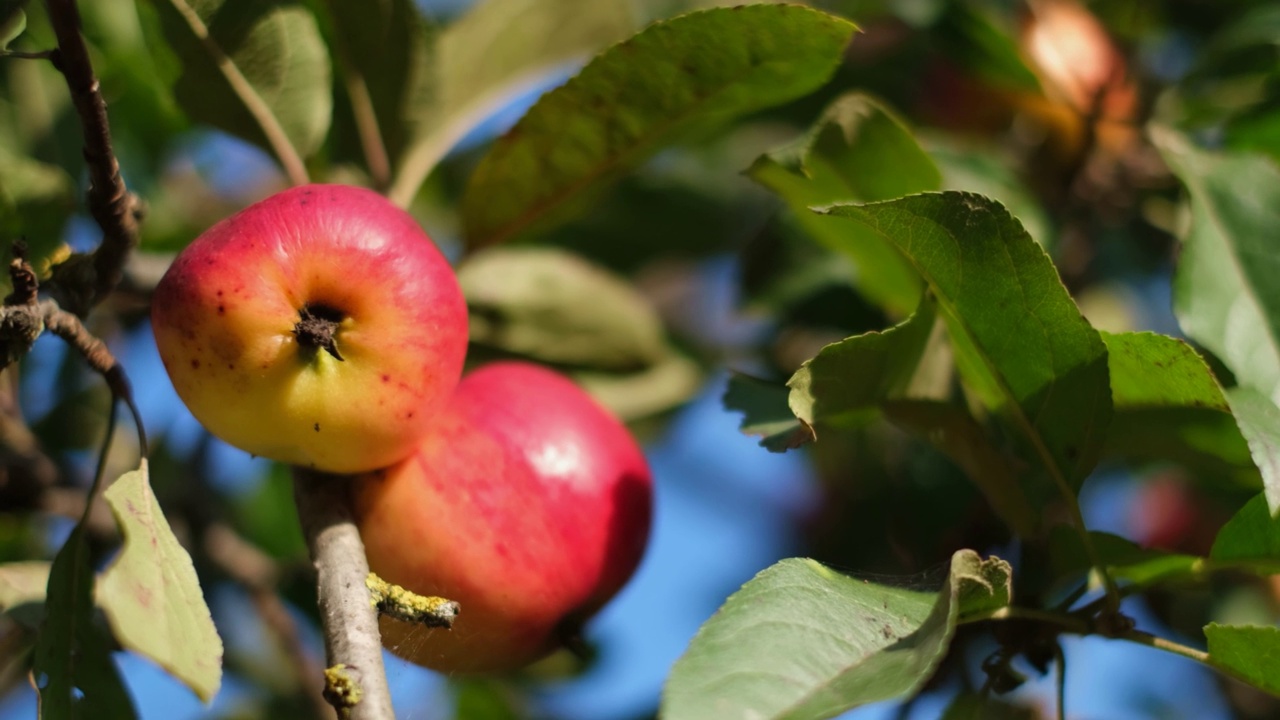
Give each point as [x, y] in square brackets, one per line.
[320, 327]
[528, 504]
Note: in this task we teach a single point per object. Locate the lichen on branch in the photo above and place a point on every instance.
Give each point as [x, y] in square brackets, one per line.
[407, 606]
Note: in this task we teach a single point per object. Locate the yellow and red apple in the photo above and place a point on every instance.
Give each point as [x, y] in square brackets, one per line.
[528, 504]
[320, 327]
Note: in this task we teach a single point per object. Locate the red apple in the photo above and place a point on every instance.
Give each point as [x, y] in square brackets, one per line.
[320, 327]
[528, 504]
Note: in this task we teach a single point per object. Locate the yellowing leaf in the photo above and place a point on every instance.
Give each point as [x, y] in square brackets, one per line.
[151, 594]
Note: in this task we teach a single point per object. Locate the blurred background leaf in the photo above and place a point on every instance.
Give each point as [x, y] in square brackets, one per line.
[672, 79]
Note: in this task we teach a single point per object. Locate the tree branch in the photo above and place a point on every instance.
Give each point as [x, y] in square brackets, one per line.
[110, 203]
[356, 681]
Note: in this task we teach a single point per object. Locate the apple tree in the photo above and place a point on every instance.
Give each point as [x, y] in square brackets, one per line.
[997, 279]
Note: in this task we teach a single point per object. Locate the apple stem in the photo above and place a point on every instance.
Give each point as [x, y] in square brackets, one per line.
[353, 644]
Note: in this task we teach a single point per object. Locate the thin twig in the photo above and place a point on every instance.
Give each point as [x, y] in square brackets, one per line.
[292, 163]
[101, 471]
[366, 117]
[375, 152]
[1165, 644]
[356, 681]
[25, 55]
[410, 607]
[1083, 626]
[111, 204]
[95, 352]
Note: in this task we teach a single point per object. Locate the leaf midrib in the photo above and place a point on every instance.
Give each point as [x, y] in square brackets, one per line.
[1020, 416]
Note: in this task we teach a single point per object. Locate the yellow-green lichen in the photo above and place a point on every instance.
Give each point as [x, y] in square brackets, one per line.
[405, 605]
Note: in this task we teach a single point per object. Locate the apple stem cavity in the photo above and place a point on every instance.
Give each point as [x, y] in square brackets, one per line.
[317, 329]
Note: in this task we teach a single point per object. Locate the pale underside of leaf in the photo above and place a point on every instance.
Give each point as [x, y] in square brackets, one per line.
[151, 594]
[801, 641]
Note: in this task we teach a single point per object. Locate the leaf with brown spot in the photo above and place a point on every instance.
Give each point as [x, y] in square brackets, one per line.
[151, 594]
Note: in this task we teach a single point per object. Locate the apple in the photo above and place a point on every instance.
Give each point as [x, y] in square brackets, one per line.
[527, 503]
[319, 327]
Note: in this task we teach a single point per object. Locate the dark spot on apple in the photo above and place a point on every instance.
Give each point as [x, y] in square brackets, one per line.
[386, 378]
[195, 364]
[317, 426]
[222, 309]
[231, 366]
[219, 293]
[409, 416]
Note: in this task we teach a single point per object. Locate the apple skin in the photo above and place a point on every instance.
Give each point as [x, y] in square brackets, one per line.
[528, 504]
[224, 318]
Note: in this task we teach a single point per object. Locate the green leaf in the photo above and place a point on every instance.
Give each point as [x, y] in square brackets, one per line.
[847, 379]
[554, 306]
[1257, 131]
[985, 46]
[674, 78]
[1224, 290]
[385, 48]
[274, 45]
[858, 150]
[984, 707]
[1125, 560]
[954, 432]
[1251, 535]
[13, 21]
[985, 171]
[484, 699]
[36, 199]
[72, 655]
[1020, 340]
[1153, 370]
[1250, 653]
[268, 517]
[497, 50]
[766, 413]
[1225, 294]
[1169, 406]
[1259, 421]
[151, 594]
[631, 396]
[802, 641]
